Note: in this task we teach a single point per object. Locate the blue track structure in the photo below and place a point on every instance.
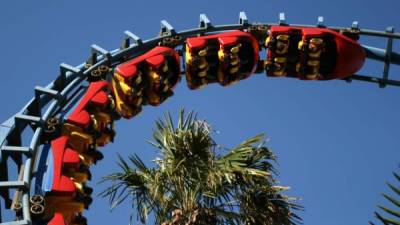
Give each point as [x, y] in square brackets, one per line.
[25, 159]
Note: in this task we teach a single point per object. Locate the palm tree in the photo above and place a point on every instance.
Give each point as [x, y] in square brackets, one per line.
[192, 183]
[393, 216]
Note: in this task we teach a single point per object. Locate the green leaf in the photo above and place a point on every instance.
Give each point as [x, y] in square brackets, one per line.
[189, 175]
[390, 211]
[397, 190]
[397, 176]
[383, 220]
[392, 200]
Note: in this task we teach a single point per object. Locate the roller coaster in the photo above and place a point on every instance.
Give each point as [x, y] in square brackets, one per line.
[73, 116]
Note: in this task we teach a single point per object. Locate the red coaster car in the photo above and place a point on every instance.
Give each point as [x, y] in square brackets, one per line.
[68, 161]
[312, 53]
[224, 58]
[67, 193]
[91, 123]
[58, 219]
[146, 79]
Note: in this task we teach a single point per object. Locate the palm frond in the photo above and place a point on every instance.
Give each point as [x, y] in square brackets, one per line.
[268, 208]
[192, 184]
[393, 215]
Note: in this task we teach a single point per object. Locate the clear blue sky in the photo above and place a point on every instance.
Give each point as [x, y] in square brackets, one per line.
[337, 143]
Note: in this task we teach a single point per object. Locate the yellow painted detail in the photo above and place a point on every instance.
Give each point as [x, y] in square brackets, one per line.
[221, 54]
[78, 176]
[79, 186]
[165, 68]
[267, 41]
[166, 88]
[279, 73]
[139, 93]
[80, 141]
[125, 88]
[300, 45]
[112, 102]
[188, 55]
[118, 77]
[280, 59]
[234, 61]
[87, 160]
[203, 64]
[203, 83]
[233, 82]
[120, 105]
[138, 79]
[312, 76]
[235, 50]
[313, 62]
[317, 41]
[234, 69]
[314, 67]
[94, 122]
[298, 66]
[122, 84]
[154, 76]
[139, 101]
[282, 37]
[202, 53]
[202, 73]
[83, 138]
[282, 47]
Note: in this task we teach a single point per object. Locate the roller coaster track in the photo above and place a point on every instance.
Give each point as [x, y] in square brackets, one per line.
[67, 89]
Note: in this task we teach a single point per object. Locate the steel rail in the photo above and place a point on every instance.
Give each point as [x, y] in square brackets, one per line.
[55, 94]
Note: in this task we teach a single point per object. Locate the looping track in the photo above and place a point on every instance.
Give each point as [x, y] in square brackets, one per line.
[66, 90]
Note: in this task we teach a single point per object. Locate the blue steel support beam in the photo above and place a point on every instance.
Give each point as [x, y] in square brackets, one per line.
[13, 184]
[380, 54]
[388, 57]
[129, 36]
[18, 222]
[166, 29]
[320, 21]
[95, 49]
[243, 19]
[19, 149]
[204, 22]
[282, 19]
